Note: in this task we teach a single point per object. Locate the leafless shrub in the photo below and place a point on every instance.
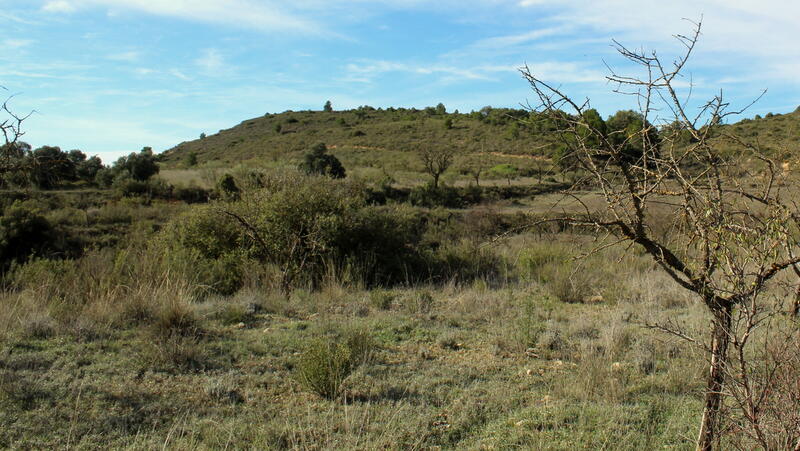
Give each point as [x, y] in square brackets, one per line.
[730, 227]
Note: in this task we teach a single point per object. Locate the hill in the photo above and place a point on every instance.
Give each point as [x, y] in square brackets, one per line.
[383, 133]
[377, 138]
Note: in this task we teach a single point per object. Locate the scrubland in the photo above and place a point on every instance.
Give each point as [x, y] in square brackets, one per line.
[186, 335]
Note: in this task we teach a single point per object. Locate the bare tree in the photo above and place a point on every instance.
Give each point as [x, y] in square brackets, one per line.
[720, 229]
[436, 160]
[475, 165]
[11, 152]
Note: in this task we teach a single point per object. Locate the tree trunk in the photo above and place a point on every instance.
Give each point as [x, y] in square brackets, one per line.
[796, 306]
[436, 181]
[709, 425]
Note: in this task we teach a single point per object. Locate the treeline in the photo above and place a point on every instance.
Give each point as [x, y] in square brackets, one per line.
[49, 167]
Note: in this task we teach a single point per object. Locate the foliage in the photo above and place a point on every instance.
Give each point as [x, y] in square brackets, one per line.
[227, 188]
[327, 363]
[505, 170]
[24, 231]
[319, 162]
[139, 166]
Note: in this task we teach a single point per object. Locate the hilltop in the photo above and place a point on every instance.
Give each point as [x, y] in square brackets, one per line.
[289, 134]
[382, 138]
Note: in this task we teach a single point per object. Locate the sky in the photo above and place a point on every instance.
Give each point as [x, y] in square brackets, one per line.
[112, 76]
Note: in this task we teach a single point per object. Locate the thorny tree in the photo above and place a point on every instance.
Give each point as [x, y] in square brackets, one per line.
[12, 152]
[721, 229]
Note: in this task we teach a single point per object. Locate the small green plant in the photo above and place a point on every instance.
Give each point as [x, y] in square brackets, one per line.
[327, 363]
[381, 299]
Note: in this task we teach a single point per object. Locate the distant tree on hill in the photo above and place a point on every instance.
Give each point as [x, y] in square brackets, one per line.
[440, 109]
[506, 171]
[328, 107]
[436, 160]
[474, 165]
[319, 162]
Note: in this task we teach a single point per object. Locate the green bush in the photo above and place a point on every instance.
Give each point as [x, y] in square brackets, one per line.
[326, 364]
[308, 228]
[430, 196]
[24, 232]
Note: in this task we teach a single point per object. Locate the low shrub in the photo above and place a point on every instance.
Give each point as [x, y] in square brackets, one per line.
[326, 364]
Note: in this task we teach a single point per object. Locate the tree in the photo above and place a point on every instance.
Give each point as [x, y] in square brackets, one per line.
[328, 108]
[87, 170]
[506, 171]
[441, 110]
[474, 165]
[317, 161]
[14, 161]
[51, 165]
[436, 160]
[140, 166]
[729, 236]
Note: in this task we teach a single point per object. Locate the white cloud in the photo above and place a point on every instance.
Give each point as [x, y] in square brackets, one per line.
[521, 38]
[211, 62]
[259, 15]
[15, 44]
[566, 72]
[58, 6]
[130, 56]
[178, 74]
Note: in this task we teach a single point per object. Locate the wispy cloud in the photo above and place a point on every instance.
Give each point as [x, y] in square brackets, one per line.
[178, 74]
[58, 6]
[366, 71]
[211, 62]
[258, 15]
[15, 44]
[129, 56]
[522, 38]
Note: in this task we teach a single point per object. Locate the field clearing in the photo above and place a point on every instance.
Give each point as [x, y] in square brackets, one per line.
[475, 368]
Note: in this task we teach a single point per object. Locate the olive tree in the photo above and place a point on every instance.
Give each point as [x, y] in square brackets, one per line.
[720, 229]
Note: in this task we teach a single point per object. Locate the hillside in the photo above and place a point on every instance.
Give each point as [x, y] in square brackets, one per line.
[377, 138]
[777, 134]
[276, 136]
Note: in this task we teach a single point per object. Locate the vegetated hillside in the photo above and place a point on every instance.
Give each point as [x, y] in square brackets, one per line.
[289, 134]
[777, 134]
[377, 137]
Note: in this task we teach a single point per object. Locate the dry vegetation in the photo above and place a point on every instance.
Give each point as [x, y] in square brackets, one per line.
[291, 311]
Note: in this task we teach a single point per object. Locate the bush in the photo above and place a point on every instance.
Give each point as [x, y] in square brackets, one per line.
[570, 286]
[430, 196]
[310, 228]
[319, 162]
[24, 232]
[327, 363]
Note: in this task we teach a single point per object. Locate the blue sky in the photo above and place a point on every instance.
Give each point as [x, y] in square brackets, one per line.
[112, 76]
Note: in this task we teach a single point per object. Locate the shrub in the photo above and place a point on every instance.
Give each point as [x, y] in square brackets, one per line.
[319, 162]
[568, 285]
[24, 232]
[227, 188]
[327, 363]
[431, 196]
